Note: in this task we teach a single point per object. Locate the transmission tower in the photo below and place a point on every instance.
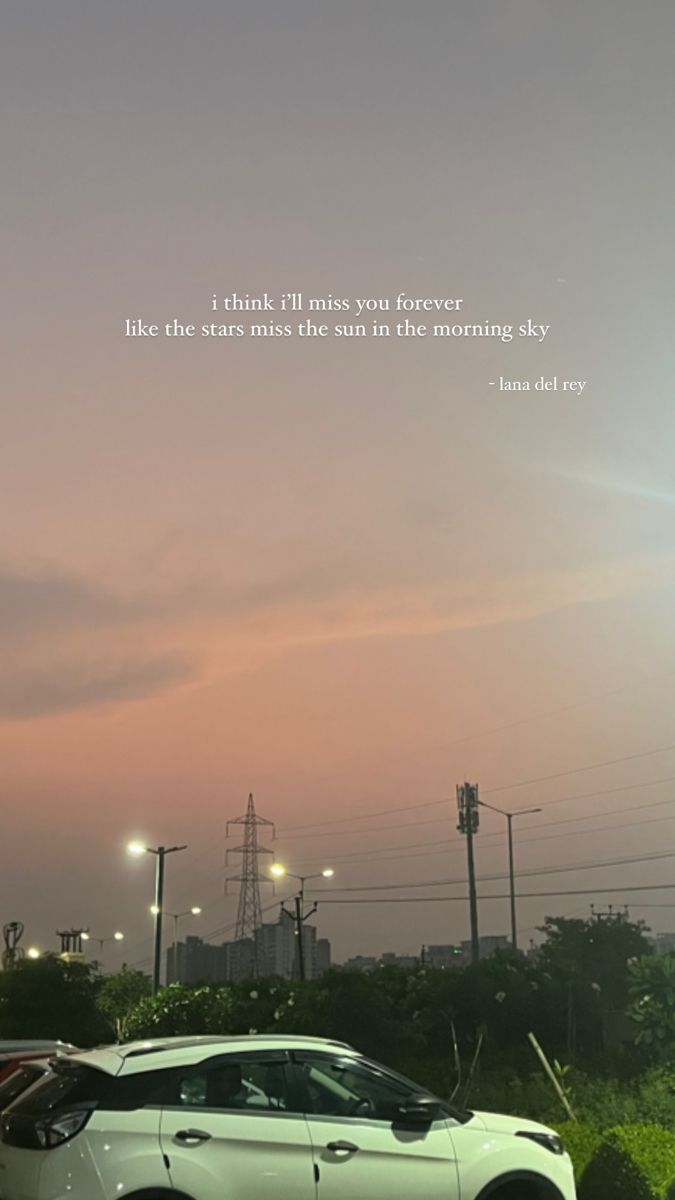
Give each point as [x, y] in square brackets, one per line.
[249, 912]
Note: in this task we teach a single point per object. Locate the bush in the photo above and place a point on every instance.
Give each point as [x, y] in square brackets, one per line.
[633, 1162]
[582, 1143]
[176, 1010]
[656, 1097]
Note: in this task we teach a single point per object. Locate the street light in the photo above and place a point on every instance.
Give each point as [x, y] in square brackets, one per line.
[521, 812]
[33, 952]
[160, 852]
[189, 912]
[117, 936]
[281, 872]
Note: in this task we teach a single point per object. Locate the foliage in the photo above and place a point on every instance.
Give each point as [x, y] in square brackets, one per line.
[118, 995]
[594, 951]
[582, 1143]
[177, 1010]
[656, 1096]
[652, 992]
[633, 1162]
[587, 964]
[354, 1008]
[48, 998]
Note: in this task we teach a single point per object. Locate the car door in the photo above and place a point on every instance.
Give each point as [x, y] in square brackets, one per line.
[364, 1147]
[235, 1130]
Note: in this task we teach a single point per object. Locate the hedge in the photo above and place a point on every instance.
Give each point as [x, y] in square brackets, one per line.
[582, 1143]
[629, 1162]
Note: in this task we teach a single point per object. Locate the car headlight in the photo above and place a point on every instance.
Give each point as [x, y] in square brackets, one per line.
[550, 1141]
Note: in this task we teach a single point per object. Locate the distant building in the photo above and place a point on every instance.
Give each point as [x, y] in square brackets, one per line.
[323, 956]
[272, 953]
[360, 962]
[195, 961]
[487, 945]
[663, 943]
[367, 962]
[405, 961]
[443, 956]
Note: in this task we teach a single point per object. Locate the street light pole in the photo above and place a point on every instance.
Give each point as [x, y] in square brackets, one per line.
[512, 878]
[189, 912]
[512, 883]
[160, 853]
[159, 899]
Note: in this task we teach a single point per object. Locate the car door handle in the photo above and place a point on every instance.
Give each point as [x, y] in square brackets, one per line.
[349, 1147]
[192, 1135]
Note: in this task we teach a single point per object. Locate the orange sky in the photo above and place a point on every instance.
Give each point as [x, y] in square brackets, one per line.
[332, 572]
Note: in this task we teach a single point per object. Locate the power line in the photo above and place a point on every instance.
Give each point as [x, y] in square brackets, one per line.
[390, 855]
[619, 890]
[589, 866]
[378, 829]
[611, 762]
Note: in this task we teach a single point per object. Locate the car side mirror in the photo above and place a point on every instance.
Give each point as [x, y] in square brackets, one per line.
[419, 1110]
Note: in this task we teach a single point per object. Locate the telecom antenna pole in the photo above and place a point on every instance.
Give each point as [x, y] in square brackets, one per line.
[467, 806]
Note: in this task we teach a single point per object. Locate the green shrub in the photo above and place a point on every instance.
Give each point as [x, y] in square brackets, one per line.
[656, 1097]
[582, 1143]
[606, 1102]
[633, 1162]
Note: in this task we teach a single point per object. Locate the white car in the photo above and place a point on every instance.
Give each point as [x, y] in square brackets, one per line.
[261, 1118]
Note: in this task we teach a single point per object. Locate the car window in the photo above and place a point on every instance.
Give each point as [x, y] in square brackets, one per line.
[17, 1083]
[69, 1084]
[345, 1087]
[246, 1082]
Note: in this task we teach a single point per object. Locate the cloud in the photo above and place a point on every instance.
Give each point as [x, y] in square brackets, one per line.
[434, 607]
[47, 598]
[69, 644]
[70, 686]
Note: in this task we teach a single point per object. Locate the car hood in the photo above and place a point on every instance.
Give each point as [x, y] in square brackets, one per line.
[501, 1123]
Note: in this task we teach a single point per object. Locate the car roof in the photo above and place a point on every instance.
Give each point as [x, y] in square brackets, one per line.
[158, 1053]
[19, 1044]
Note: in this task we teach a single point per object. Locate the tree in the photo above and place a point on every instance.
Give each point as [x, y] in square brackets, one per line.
[589, 961]
[119, 994]
[595, 951]
[351, 1007]
[49, 998]
[652, 991]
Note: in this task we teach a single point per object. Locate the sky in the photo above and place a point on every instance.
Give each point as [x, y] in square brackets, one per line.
[344, 574]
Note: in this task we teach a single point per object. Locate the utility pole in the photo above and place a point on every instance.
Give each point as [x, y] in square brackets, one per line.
[299, 923]
[467, 805]
[299, 918]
